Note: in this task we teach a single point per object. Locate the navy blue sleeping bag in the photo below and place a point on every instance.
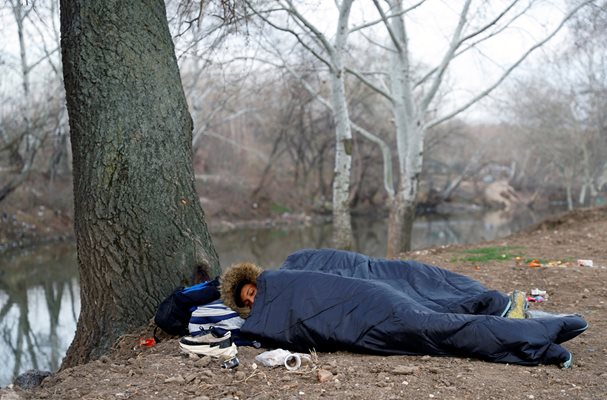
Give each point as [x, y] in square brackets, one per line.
[331, 300]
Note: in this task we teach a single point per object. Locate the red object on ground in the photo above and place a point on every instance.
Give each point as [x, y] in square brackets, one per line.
[147, 342]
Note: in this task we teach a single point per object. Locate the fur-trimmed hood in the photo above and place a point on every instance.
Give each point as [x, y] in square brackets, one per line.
[230, 280]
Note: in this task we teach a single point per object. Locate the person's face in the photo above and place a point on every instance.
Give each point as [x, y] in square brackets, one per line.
[247, 294]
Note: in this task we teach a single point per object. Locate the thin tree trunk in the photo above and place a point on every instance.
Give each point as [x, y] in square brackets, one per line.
[396, 218]
[342, 222]
[28, 146]
[400, 223]
[139, 226]
[409, 142]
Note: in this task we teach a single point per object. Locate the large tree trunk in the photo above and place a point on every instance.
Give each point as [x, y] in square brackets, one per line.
[139, 226]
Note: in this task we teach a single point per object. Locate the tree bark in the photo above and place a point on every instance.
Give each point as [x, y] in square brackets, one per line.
[400, 221]
[140, 229]
[342, 221]
[409, 141]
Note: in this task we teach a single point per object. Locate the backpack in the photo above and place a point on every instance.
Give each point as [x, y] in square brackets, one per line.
[173, 314]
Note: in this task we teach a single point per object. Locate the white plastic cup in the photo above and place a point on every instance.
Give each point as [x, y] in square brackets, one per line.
[292, 362]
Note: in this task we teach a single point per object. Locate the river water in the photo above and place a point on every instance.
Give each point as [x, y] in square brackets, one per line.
[40, 297]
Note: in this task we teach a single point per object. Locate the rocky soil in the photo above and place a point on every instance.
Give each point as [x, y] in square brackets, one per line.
[161, 371]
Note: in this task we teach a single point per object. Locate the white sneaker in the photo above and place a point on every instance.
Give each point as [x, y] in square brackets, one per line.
[208, 338]
[225, 350]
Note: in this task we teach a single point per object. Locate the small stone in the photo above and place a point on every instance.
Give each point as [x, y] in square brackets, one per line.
[253, 366]
[189, 378]
[239, 376]
[207, 374]
[324, 376]
[204, 361]
[175, 379]
[405, 370]
[104, 359]
[193, 356]
[31, 378]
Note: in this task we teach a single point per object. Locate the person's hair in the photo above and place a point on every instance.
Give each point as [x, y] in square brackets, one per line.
[231, 283]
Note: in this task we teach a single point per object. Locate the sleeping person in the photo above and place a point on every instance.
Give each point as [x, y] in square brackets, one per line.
[329, 300]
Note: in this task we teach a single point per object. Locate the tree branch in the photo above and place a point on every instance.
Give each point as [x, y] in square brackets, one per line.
[290, 31]
[402, 12]
[474, 44]
[392, 34]
[455, 42]
[384, 148]
[370, 84]
[507, 72]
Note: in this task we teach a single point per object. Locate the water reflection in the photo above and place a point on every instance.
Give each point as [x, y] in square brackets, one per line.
[269, 247]
[39, 305]
[39, 292]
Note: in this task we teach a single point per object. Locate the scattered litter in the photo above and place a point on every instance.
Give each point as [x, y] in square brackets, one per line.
[231, 362]
[291, 361]
[537, 296]
[147, 342]
[555, 263]
[585, 263]
[535, 263]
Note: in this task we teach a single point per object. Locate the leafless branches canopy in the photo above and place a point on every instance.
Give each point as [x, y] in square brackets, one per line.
[332, 105]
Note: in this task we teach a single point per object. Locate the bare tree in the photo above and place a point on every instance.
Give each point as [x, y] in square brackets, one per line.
[40, 111]
[331, 53]
[560, 113]
[413, 100]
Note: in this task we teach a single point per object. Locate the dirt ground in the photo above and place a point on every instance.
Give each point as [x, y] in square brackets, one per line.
[162, 372]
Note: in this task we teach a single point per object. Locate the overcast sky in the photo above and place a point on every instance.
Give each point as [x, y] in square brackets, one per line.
[429, 28]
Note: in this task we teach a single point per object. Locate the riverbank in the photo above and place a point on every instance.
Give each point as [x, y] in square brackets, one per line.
[21, 228]
[162, 372]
